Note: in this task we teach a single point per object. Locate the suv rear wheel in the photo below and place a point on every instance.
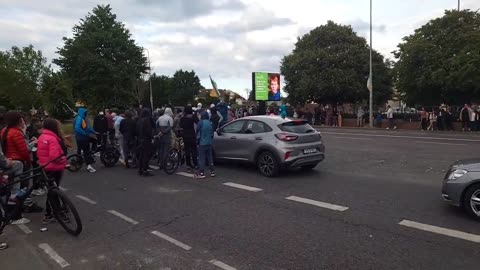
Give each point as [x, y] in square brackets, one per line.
[268, 164]
[471, 201]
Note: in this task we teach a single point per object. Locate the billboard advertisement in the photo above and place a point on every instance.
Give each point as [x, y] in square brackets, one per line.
[266, 86]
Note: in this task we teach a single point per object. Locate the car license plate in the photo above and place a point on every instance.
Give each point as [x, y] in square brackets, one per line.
[310, 151]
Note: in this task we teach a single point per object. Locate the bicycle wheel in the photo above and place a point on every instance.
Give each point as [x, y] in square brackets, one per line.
[64, 211]
[75, 162]
[172, 162]
[110, 156]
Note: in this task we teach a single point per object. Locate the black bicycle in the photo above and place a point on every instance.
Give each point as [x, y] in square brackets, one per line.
[109, 156]
[176, 157]
[62, 207]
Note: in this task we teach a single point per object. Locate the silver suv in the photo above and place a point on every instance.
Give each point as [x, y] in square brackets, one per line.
[270, 142]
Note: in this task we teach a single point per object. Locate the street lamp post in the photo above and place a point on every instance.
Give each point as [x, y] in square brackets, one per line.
[458, 5]
[150, 77]
[370, 76]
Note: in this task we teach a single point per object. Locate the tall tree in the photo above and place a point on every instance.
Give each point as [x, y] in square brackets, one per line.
[440, 62]
[162, 89]
[330, 64]
[57, 94]
[102, 60]
[21, 74]
[185, 85]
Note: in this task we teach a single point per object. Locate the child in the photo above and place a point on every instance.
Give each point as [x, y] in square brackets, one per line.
[204, 138]
[50, 147]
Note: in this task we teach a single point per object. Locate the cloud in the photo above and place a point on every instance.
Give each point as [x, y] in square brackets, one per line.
[363, 27]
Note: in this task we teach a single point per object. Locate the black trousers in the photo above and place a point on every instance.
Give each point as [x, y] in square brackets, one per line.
[57, 177]
[191, 152]
[144, 153]
[83, 146]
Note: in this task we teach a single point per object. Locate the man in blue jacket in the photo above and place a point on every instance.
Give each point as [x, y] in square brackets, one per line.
[204, 139]
[83, 133]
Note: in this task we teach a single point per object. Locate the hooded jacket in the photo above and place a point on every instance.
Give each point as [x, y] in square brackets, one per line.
[145, 126]
[100, 124]
[49, 148]
[14, 145]
[81, 126]
[165, 122]
[187, 124]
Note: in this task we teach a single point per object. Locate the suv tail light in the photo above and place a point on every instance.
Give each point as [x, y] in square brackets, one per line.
[286, 137]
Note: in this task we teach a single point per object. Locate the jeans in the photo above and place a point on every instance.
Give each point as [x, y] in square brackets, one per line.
[164, 146]
[120, 142]
[16, 169]
[359, 121]
[83, 146]
[205, 153]
[191, 154]
[56, 176]
[391, 123]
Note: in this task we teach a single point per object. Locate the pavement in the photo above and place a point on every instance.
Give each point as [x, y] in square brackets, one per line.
[374, 203]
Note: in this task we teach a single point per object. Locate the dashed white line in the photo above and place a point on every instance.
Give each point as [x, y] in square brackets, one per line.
[440, 143]
[222, 265]
[249, 188]
[443, 231]
[171, 240]
[24, 228]
[53, 255]
[83, 198]
[122, 216]
[191, 175]
[317, 203]
[63, 189]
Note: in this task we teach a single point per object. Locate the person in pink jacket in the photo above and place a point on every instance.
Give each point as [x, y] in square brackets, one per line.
[51, 146]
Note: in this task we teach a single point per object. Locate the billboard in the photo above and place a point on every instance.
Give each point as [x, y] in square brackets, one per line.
[266, 86]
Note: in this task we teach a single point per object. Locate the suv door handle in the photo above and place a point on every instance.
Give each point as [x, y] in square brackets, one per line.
[258, 138]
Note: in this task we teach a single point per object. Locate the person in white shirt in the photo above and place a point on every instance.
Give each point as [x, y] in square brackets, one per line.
[391, 121]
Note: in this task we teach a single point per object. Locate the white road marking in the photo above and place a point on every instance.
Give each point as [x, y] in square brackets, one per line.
[353, 138]
[460, 144]
[191, 175]
[401, 136]
[317, 203]
[253, 189]
[24, 228]
[122, 216]
[62, 189]
[439, 230]
[222, 265]
[83, 198]
[171, 240]
[53, 255]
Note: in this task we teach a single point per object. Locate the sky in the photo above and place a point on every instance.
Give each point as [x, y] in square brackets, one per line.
[227, 39]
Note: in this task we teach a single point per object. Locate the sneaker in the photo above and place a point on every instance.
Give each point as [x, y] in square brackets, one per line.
[38, 192]
[212, 174]
[122, 161]
[47, 219]
[91, 169]
[200, 176]
[3, 246]
[20, 221]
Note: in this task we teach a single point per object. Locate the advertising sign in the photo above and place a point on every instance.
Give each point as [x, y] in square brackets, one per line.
[266, 86]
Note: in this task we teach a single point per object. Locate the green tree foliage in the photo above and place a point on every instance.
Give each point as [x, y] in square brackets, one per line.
[102, 60]
[440, 62]
[331, 64]
[21, 77]
[161, 89]
[57, 94]
[185, 86]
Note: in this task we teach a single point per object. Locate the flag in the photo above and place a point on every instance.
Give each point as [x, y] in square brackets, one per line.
[214, 92]
[369, 83]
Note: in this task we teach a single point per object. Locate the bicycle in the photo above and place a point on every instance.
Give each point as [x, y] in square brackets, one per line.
[176, 156]
[109, 156]
[58, 201]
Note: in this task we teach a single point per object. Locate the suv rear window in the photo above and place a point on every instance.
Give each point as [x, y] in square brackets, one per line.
[297, 126]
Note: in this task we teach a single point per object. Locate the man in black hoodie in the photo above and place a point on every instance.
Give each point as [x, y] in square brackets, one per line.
[187, 125]
[127, 128]
[144, 142]
[100, 125]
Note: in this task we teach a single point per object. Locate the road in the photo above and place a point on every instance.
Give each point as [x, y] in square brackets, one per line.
[351, 212]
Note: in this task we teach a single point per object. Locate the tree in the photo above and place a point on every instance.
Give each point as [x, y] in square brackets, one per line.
[57, 94]
[21, 74]
[161, 89]
[185, 86]
[102, 60]
[440, 62]
[330, 64]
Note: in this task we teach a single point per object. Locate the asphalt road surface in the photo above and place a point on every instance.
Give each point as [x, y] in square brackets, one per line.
[374, 203]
